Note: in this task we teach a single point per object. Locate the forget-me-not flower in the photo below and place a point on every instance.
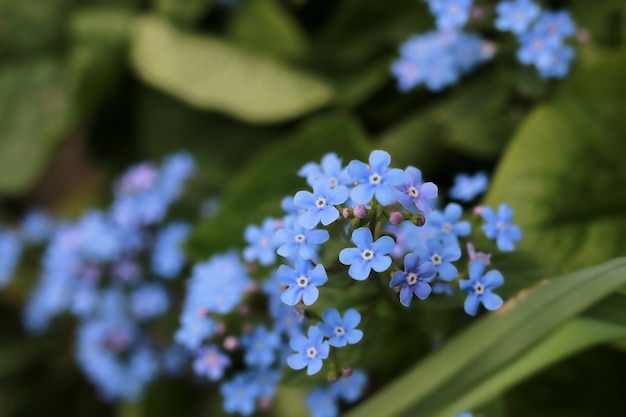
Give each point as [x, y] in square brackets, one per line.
[375, 179]
[302, 282]
[414, 279]
[319, 205]
[341, 331]
[499, 227]
[310, 351]
[367, 255]
[479, 287]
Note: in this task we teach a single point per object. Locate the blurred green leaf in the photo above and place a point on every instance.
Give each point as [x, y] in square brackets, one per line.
[185, 12]
[212, 74]
[265, 25]
[564, 171]
[527, 333]
[256, 191]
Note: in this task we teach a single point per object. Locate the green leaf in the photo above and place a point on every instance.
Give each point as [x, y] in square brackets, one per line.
[265, 25]
[209, 73]
[182, 12]
[256, 192]
[500, 346]
[564, 171]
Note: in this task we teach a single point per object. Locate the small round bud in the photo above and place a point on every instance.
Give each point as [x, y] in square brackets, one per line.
[247, 328]
[419, 220]
[332, 377]
[477, 211]
[220, 329]
[265, 403]
[230, 343]
[477, 13]
[360, 211]
[244, 309]
[583, 35]
[396, 217]
[346, 372]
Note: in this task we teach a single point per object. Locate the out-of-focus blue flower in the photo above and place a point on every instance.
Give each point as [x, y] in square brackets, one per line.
[499, 227]
[148, 301]
[414, 279]
[211, 363]
[447, 225]
[442, 256]
[375, 180]
[330, 169]
[450, 14]
[194, 329]
[555, 24]
[479, 287]
[350, 388]
[322, 402]
[37, 226]
[100, 240]
[302, 282]
[516, 15]
[168, 257]
[467, 187]
[261, 242]
[10, 253]
[367, 255]
[261, 346]
[309, 351]
[240, 394]
[341, 331]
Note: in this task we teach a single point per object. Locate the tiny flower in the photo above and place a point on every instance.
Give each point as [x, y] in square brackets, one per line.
[467, 187]
[294, 239]
[261, 346]
[319, 205]
[516, 15]
[414, 193]
[375, 179]
[414, 279]
[450, 14]
[350, 388]
[329, 169]
[322, 402]
[499, 227]
[240, 394]
[367, 255]
[485, 258]
[447, 226]
[360, 211]
[341, 331]
[261, 243]
[442, 257]
[479, 288]
[309, 351]
[211, 363]
[302, 282]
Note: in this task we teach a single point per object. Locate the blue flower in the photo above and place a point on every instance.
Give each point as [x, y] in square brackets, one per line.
[414, 193]
[194, 328]
[211, 363]
[322, 402]
[442, 257]
[479, 287]
[302, 282]
[450, 14]
[375, 179]
[341, 331]
[261, 346]
[330, 170]
[10, 253]
[555, 24]
[447, 225]
[499, 227]
[240, 394]
[319, 205]
[467, 187]
[367, 255]
[516, 16]
[296, 240]
[168, 257]
[261, 243]
[37, 226]
[414, 279]
[148, 301]
[350, 388]
[309, 351]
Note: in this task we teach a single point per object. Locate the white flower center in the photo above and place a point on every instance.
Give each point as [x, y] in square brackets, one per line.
[302, 281]
[411, 278]
[299, 238]
[501, 226]
[446, 228]
[311, 352]
[320, 202]
[375, 179]
[367, 254]
[436, 259]
[413, 192]
[479, 288]
[340, 331]
[333, 182]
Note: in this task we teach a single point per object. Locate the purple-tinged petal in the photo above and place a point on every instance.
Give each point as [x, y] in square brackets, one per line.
[406, 295]
[398, 278]
[422, 290]
[411, 262]
[429, 190]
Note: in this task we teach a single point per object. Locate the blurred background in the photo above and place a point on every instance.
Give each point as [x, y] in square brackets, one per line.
[253, 89]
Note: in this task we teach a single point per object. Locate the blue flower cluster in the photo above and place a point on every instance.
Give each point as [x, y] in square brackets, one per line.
[541, 35]
[439, 58]
[387, 221]
[107, 269]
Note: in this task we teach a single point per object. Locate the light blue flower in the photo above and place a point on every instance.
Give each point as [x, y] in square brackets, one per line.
[367, 255]
[479, 287]
[351, 388]
[414, 193]
[375, 179]
[516, 15]
[302, 282]
[414, 279]
[447, 225]
[499, 227]
[442, 256]
[211, 363]
[296, 240]
[450, 14]
[310, 351]
[341, 331]
[319, 205]
[260, 240]
[467, 187]
[322, 402]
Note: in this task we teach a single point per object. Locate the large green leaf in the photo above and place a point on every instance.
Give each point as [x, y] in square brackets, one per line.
[212, 74]
[256, 191]
[564, 172]
[265, 25]
[462, 373]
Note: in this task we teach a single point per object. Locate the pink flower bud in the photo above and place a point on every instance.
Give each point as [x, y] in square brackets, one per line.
[396, 217]
[360, 211]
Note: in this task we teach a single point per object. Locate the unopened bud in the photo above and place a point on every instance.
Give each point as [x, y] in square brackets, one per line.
[583, 35]
[477, 211]
[360, 211]
[396, 217]
[230, 343]
[346, 372]
[332, 377]
[346, 213]
[419, 220]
